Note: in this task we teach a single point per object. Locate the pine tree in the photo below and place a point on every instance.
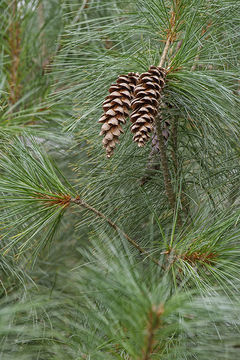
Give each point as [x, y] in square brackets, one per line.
[133, 255]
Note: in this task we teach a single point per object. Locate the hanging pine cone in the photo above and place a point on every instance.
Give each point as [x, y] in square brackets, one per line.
[116, 108]
[146, 102]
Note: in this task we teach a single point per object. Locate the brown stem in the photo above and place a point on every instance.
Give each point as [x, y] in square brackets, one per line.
[84, 205]
[171, 32]
[165, 51]
[153, 325]
[41, 21]
[14, 45]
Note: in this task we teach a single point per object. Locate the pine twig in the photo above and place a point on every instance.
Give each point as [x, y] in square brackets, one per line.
[41, 21]
[154, 323]
[83, 204]
[14, 45]
[165, 51]
[171, 34]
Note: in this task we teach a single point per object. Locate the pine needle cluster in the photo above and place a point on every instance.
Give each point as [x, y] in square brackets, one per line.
[134, 255]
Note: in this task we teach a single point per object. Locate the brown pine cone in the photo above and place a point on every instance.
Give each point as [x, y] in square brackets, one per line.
[116, 108]
[146, 102]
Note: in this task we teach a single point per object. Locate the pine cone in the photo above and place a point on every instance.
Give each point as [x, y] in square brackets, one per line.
[146, 102]
[116, 108]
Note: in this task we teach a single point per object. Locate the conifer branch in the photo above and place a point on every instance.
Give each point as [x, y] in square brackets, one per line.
[14, 45]
[153, 325]
[41, 20]
[171, 32]
[194, 258]
[165, 51]
[99, 214]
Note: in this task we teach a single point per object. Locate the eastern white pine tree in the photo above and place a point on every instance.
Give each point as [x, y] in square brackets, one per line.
[135, 255]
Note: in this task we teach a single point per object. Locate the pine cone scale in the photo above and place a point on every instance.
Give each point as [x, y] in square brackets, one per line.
[113, 121]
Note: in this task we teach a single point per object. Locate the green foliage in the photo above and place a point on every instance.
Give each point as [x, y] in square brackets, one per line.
[73, 284]
[30, 188]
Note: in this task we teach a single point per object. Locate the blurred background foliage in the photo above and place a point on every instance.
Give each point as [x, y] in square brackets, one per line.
[71, 286]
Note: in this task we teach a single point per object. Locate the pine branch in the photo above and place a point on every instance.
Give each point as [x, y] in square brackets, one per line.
[153, 326]
[165, 51]
[171, 31]
[41, 20]
[99, 214]
[15, 49]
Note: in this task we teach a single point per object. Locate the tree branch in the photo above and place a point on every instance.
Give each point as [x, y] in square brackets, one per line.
[14, 45]
[153, 325]
[165, 51]
[171, 32]
[88, 207]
